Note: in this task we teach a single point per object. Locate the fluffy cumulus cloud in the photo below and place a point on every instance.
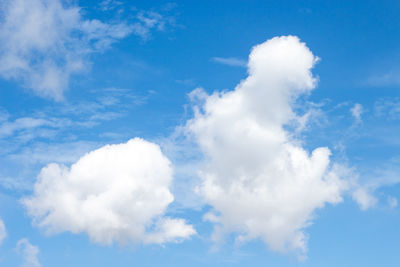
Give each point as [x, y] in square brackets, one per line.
[29, 253]
[44, 42]
[118, 193]
[259, 180]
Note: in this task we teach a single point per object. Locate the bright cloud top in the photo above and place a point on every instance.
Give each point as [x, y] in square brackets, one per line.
[118, 193]
[259, 180]
[44, 42]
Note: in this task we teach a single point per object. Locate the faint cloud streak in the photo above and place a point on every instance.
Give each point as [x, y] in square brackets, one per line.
[230, 61]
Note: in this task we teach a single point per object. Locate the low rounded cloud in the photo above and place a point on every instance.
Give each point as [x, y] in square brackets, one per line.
[118, 193]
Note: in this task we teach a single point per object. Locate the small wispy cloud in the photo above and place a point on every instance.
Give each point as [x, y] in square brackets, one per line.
[388, 108]
[108, 5]
[369, 193]
[230, 61]
[108, 104]
[10, 127]
[365, 198]
[389, 78]
[187, 82]
[356, 112]
[29, 253]
[3, 231]
[392, 202]
[43, 153]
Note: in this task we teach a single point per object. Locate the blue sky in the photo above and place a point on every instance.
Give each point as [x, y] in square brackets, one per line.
[226, 133]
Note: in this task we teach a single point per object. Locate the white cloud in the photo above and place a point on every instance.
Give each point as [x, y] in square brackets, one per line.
[118, 193]
[107, 5]
[259, 180]
[50, 121]
[43, 153]
[392, 201]
[147, 21]
[388, 108]
[230, 61]
[356, 112]
[376, 178]
[44, 42]
[29, 252]
[15, 184]
[389, 78]
[3, 231]
[26, 123]
[365, 198]
[23, 163]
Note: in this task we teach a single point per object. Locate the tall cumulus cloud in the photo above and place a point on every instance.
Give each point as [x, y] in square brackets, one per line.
[259, 180]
